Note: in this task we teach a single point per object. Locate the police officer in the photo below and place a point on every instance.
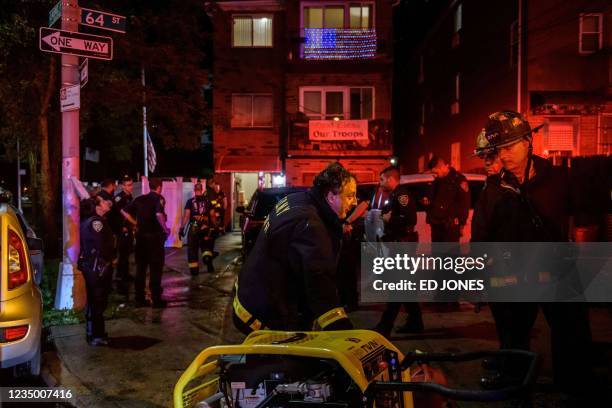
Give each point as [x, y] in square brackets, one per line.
[95, 260]
[528, 201]
[399, 216]
[288, 282]
[200, 215]
[124, 233]
[450, 202]
[146, 212]
[107, 191]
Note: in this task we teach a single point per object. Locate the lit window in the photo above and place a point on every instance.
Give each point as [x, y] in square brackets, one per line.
[360, 16]
[456, 155]
[591, 38]
[251, 110]
[329, 103]
[252, 31]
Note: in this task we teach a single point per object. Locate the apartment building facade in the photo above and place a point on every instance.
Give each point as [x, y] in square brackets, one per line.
[298, 84]
[548, 59]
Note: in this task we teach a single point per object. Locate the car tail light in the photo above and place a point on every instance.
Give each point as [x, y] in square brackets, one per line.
[17, 263]
[13, 333]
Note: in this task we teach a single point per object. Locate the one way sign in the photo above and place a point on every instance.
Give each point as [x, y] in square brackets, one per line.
[69, 42]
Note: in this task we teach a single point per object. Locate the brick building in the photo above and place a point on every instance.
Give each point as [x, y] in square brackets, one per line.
[548, 59]
[298, 84]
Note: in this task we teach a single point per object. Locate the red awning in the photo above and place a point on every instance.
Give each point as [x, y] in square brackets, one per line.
[233, 163]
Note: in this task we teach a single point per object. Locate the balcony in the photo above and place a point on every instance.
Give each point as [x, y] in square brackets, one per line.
[339, 43]
[340, 138]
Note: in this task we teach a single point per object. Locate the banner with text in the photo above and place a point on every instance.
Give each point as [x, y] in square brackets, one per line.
[334, 130]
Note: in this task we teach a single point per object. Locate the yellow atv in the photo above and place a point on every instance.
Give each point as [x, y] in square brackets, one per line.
[334, 369]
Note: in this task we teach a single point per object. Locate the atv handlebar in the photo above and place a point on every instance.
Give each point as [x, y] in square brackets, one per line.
[458, 394]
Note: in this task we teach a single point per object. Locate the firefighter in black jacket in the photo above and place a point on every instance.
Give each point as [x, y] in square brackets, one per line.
[399, 216]
[289, 282]
[529, 201]
[450, 202]
[200, 215]
[95, 262]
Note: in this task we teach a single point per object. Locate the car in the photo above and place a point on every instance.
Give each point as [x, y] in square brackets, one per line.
[21, 305]
[254, 214]
[420, 186]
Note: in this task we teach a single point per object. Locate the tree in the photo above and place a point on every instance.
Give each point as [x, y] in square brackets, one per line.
[28, 80]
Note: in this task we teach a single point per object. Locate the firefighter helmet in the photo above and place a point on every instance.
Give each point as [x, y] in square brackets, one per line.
[502, 129]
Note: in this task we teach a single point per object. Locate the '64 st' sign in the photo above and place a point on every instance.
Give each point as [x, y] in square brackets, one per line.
[103, 20]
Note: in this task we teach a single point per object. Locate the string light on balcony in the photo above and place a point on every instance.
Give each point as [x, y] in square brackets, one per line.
[337, 43]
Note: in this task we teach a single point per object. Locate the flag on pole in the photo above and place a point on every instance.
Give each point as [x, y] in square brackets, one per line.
[151, 157]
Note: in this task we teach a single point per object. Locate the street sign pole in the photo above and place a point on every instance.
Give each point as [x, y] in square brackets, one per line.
[70, 286]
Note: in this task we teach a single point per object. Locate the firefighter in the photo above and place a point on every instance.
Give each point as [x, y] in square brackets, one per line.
[450, 202]
[200, 216]
[399, 216]
[529, 201]
[289, 280]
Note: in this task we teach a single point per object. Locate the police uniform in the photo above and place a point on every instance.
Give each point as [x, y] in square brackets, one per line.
[150, 238]
[288, 282]
[124, 232]
[449, 208]
[200, 233]
[95, 262]
[400, 228]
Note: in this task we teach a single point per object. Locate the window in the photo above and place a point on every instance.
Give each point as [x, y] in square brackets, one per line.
[455, 104]
[252, 31]
[335, 102]
[591, 38]
[561, 135]
[251, 110]
[355, 16]
[514, 44]
[360, 17]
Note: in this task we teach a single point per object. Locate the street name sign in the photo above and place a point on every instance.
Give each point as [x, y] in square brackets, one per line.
[103, 20]
[84, 71]
[55, 13]
[70, 98]
[73, 43]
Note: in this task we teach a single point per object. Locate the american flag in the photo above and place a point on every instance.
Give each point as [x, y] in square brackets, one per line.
[151, 157]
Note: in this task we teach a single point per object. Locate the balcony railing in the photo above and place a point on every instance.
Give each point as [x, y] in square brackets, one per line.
[339, 43]
[379, 140]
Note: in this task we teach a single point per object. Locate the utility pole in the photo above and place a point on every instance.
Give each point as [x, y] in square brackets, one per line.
[145, 139]
[70, 286]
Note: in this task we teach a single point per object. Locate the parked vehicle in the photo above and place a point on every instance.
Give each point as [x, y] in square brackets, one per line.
[254, 214]
[21, 260]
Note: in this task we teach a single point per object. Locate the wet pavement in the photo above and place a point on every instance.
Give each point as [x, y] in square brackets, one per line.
[152, 347]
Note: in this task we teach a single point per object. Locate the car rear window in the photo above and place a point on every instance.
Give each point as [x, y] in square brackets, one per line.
[423, 189]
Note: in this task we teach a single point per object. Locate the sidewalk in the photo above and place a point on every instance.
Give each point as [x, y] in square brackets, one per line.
[153, 347]
[150, 347]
